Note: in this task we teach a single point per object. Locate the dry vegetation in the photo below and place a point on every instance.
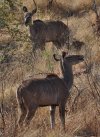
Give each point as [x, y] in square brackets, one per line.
[17, 63]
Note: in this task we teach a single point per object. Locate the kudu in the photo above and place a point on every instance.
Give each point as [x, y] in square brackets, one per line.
[50, 91]
[50, 2]
[45, 31]
[52, 75]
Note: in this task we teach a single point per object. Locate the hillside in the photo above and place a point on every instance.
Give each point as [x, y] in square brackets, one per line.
[18, 63]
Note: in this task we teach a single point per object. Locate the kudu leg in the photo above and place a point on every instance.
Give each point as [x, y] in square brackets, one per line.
[30, 114]
[52, 116]
[37, 48]
[62, 115]
[49, 4]
[57, 44]
[22, 117]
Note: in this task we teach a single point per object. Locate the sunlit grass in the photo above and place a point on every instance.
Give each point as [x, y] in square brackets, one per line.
[84, 118]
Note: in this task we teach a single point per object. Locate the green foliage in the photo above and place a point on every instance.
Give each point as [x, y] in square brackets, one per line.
[2, 18]
[10, 19]
[48, 56]
[2, 58]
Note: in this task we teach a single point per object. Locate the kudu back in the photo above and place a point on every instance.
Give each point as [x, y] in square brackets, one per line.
[50, 91]
[45, 31]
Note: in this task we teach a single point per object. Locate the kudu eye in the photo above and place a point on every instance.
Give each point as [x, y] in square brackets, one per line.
[81, 57]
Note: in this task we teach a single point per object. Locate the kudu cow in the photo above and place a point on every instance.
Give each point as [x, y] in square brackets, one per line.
[50, 91]
[45, 31]
[52, 75]
[50, 2]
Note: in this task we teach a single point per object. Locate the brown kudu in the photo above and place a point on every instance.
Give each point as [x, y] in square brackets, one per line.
[50, 91]
[50, 3]
[45, 31]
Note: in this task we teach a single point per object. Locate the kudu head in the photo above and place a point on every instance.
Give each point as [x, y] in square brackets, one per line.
[28, 15]
[66, 62]
[69, 59]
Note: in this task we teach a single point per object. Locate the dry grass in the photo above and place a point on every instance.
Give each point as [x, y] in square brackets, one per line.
[83, 117]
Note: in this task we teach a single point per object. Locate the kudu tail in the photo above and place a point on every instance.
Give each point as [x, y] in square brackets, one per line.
[20, 100]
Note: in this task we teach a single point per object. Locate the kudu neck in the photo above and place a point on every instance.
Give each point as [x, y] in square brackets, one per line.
[67, 74]
[30, 24]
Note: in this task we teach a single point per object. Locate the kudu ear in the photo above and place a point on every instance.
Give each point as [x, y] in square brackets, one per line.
[25, 9]
[64, 54]
[56, 57]
[34, 10]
